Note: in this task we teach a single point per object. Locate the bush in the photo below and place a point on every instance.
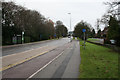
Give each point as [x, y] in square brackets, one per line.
[107, 41]
[27, 39]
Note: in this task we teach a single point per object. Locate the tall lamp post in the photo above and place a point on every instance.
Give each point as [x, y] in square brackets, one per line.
[70, 27]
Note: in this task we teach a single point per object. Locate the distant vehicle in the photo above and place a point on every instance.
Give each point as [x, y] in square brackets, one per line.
[112, 41]
[68, 36]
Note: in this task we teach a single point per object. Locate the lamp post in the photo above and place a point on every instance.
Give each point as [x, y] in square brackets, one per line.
[70, 27]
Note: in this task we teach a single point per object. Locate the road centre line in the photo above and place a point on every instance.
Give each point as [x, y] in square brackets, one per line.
[12, 65]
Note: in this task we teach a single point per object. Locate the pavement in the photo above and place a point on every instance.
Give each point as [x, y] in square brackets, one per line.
[51, 59]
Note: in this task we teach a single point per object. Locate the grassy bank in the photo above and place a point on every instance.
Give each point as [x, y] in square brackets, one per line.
[92, 39]
[98, 62]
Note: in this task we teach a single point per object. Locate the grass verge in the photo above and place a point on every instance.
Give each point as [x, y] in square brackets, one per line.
[92, 39]
[98, 62]
[73, 38]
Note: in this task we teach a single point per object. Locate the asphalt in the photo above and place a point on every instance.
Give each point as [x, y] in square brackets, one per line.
[66, 66]
[62, 61]
[8, 50]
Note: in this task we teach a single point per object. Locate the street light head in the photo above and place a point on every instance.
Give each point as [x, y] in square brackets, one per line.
[69, 13]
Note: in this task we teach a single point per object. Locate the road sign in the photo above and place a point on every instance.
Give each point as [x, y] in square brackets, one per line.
[84, 30]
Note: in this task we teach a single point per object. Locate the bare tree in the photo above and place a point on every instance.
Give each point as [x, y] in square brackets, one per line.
[114, 8]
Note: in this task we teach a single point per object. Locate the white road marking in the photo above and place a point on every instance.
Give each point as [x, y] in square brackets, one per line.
[44, 66]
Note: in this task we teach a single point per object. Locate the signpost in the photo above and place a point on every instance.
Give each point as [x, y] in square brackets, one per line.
[84, 30]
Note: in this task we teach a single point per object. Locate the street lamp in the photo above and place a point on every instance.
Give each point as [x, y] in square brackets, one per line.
[70, 27]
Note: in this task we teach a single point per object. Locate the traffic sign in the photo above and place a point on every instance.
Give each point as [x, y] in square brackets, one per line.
[84, 30]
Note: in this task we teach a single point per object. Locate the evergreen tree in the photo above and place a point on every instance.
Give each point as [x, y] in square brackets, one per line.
[93, 33]
[99, 33]
[114, 30]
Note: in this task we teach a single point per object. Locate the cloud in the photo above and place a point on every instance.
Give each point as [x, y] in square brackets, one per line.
[87, 10]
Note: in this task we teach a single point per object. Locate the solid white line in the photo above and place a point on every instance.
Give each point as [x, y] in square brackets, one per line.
[44, 66]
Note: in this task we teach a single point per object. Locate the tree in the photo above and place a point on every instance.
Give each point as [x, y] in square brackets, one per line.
[114, 30]
[93, 33]
[0, 23]
[113, 8]
[9, 28]
[49, 30]
[16, 19]
[113, 11]
[111, 21]
[61, 29]
[99, 33]
[78, 29]
[59, 22]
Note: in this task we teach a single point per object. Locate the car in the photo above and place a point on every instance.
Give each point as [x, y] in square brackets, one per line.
[68, 36]
[112, 41]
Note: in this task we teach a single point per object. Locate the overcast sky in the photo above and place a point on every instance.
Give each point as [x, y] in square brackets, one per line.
[87, 10]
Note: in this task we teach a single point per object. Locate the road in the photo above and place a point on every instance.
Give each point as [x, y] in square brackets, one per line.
[16, 49]
[50, 59]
